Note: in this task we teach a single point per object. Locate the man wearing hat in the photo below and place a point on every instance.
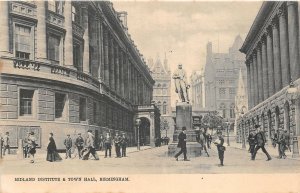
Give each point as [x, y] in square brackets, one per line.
[90, 146]
[284, 142]
[220, 147]
[25, 144]
[6, 143]
[182, 144]
[117, 142]
[260, 140]
[68, 144]
[79, 144]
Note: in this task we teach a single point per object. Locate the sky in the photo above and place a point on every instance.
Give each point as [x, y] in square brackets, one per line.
[180, 30]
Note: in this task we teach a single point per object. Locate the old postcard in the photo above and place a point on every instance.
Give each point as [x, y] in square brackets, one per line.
[149, 96]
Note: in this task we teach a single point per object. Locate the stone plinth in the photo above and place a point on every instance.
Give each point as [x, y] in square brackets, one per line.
[184, 119]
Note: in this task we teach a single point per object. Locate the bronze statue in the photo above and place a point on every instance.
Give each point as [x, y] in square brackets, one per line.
[181, 85]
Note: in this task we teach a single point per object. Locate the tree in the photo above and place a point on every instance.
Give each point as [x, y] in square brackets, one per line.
[212, 120]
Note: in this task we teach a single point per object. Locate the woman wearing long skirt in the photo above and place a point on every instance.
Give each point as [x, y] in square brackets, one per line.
[52, 154]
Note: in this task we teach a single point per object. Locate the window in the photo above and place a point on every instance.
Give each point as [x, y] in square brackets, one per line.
[232, 113]
[56, 6]
[77, 57]
[221, 82]
[82, 109]
[59, 104]
[75, 14]
[222, 92]
[54, 48]
[232, 91]
[165, 108]
[95, 112]
[26, 97]
[23, 41]
[159, 105]
[223, 110]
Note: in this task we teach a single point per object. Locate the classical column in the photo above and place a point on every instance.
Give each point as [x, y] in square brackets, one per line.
[284, 48]
[255, 81]
[122, 74]
[293, 29]
[270, 61]
[69, 34]
[100, 50]
[4, 29]
[117, 72]
[86, 48]
[276, 54]
[41, 31]
[249, 78]
[260, 74]
[111, 64]
[264, 63]
[106, 56]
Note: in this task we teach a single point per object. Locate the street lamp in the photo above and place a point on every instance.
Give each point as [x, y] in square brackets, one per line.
[138, 123]
[292, 94]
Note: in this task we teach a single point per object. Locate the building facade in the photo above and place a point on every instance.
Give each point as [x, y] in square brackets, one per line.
[70, 66]
[221, 75]
[161, 73]
[272, 60]
[197, 90]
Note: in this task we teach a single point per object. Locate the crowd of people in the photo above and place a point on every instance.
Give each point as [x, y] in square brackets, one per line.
[81, 148]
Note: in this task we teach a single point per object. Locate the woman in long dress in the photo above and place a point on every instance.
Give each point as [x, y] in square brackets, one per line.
[52, 154]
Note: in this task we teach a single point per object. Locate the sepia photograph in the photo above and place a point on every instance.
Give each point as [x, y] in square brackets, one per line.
[149, 96]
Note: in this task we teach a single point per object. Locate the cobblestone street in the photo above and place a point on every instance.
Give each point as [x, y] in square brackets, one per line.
[153, 161]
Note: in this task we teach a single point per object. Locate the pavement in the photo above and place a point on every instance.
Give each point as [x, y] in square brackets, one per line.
[152, 161]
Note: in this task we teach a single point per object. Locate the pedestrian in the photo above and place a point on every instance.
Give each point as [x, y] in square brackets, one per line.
[274, 139]
[101, 141]
[52, 154]
[202, 141]
[90, 147]
[117, 142]
[182, 144]
[209, 139]
[107, 145]
[25, 144]
[252, 142]
[79, 142]
[68, 145]
[32, 146]
[124, 142]
[260, 140]
[284, 140]
[6, 143]
[220, 147]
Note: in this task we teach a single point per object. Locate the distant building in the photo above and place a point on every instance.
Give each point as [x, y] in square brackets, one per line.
[197, 90]
[162, 93]
[221, 75]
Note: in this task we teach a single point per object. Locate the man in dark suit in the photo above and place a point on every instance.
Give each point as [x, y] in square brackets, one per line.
[182, 144]
[260, 143]
[68, 144]
[220, 146]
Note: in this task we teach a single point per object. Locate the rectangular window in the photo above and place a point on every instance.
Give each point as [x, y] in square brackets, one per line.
[56, 6]
[59, 104]
[23, 41]
[75, 14]
[95, 112]
[26, 97]
[82, 109]
[77, 57]
[54, 48]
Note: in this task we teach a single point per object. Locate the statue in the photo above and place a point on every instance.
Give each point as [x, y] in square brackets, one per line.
[181, 85]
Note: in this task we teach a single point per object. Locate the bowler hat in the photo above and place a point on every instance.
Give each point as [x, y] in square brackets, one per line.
[183, 128]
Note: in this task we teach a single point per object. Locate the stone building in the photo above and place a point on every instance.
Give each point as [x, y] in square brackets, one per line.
[272, 60]
[162, 93]
[197, 90]
[70, 66]
[221, 79]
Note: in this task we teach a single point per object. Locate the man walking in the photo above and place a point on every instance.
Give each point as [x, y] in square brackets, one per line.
[221, 149]
[284, 141]
[117, 142]
[107, 145]
[182, 144]
[260, 140]
[90, 146]
[124, 142]
[68, 144]
[79, 144]
[6, 143]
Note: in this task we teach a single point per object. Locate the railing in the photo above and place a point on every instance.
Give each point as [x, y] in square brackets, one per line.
[26, 64]
[23, 8]
[60, 70]
[55, 19]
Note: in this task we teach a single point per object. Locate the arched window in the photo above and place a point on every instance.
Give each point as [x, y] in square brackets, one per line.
[164, 108]
[232, 114]
[159, 105]
[223, 110]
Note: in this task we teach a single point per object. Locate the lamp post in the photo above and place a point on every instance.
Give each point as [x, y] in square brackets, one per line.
[292, 94]
[227, 125]
[138, 123]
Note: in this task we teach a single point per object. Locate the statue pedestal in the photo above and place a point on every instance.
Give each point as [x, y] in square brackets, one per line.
[184, 119]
